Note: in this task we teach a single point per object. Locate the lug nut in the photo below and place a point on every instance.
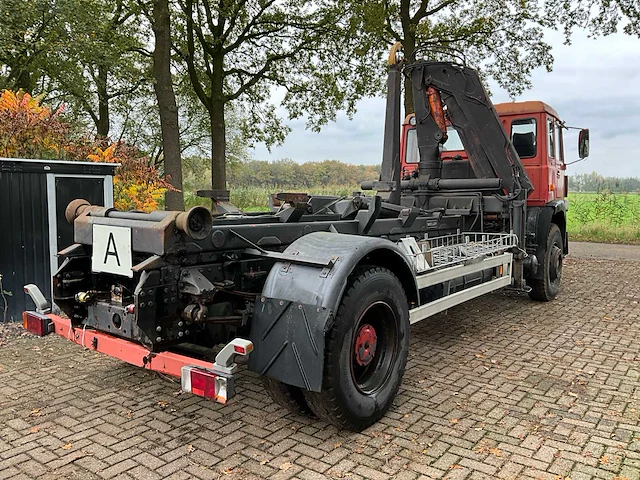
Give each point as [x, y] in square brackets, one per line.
[186, 332]
[158, 339]
[158, 329]
[180, 334]
[180, 324]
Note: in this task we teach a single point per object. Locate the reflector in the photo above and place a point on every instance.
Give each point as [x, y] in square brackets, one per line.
[207, 383]
[203, 383]
[36, 323]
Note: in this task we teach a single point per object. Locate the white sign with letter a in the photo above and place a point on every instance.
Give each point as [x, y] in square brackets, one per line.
[112, 250]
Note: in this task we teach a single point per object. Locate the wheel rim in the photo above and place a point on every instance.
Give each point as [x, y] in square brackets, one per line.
[373, 347]
[366, 342]
[555, 263]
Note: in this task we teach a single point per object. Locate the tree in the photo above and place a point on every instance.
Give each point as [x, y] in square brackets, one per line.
[26, 35]
[163, 85]
[90, 53]
[503, 39]
[101, 58]
[238, 52]
[31, 129]
[598, 17]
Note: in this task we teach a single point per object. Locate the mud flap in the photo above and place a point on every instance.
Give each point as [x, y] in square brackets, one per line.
[288, 339]
[295, 310]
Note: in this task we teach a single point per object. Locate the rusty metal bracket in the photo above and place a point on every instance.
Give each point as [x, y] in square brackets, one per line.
[194, 282]
[325, 271]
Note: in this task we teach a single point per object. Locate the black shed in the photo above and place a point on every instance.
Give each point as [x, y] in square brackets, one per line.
[33, 198]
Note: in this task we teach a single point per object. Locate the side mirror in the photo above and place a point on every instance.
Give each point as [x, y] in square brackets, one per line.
[583, 143]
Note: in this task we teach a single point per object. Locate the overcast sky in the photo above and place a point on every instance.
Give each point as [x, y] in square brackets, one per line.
[595, 83]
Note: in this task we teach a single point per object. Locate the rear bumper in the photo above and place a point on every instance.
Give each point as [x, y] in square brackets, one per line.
[163, 362]
[168, 363]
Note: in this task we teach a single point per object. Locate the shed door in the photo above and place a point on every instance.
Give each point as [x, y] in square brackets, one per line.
[70, 188]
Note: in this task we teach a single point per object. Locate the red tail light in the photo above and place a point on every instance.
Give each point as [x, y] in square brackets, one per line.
[36, 323]
[207, 383]
[203, 383]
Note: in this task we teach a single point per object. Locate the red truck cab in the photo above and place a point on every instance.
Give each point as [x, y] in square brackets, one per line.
[535, 130]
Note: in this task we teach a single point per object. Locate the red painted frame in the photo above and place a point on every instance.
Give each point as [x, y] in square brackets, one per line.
[163, 362]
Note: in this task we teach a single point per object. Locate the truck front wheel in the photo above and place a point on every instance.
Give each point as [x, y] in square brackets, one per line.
[366, 351]
[546, 288]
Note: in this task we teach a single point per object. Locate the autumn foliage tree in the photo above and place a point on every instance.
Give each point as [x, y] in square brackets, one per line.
[29, 129]
[137, 184]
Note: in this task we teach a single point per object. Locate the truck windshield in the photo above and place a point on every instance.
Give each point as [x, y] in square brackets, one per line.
[453, 143]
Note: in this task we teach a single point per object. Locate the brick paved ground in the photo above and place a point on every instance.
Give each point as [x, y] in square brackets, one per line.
[498, 388]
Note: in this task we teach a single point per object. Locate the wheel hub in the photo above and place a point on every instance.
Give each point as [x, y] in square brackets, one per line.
[365, 345]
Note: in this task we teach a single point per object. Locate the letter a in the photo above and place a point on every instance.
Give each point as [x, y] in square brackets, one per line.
[113, 252]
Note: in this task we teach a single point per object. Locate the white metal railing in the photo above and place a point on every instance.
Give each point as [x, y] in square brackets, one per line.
[449, 250]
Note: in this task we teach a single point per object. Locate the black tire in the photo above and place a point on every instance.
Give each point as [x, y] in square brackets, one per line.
[547, 287]
[287, 396]
[359, 384]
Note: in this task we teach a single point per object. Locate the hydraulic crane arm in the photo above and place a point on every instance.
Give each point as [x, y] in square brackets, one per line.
[471, 112]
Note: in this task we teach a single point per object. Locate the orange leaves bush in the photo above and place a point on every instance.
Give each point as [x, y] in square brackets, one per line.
[29, 129]
[137, 184]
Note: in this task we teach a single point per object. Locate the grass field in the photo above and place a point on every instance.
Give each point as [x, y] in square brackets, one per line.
[593, 217]
[604, 217]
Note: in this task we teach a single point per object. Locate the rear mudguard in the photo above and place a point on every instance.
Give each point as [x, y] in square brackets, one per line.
[298, 303]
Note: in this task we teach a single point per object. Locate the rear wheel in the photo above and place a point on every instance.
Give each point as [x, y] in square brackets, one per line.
[547, 287]
[287, 396]
[366, 351]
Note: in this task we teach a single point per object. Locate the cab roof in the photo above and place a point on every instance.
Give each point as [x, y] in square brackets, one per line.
[519, 108]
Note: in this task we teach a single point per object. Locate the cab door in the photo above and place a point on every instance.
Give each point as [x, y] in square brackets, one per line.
[554, 156]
